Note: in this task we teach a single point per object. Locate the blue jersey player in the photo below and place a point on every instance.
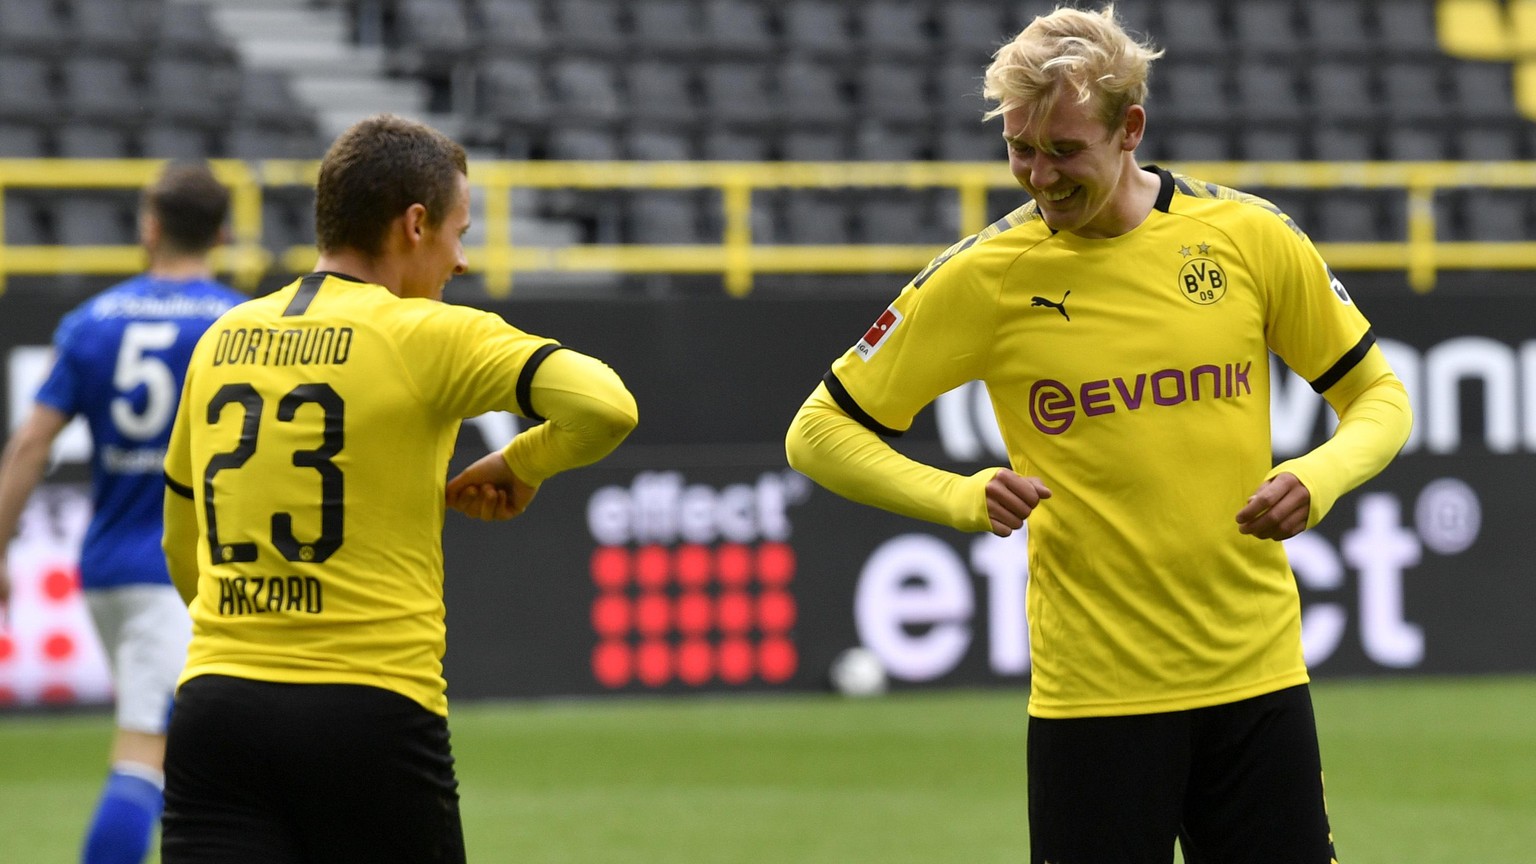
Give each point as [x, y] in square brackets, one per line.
[119, 362]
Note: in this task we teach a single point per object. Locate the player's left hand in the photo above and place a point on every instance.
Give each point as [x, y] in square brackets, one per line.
[1278, 511]
[488, 490]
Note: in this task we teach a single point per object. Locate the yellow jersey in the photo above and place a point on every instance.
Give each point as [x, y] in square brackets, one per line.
[313, 436]
[1131, 375]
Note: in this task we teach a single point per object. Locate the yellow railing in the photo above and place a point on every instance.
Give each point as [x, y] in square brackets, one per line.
[736, 257]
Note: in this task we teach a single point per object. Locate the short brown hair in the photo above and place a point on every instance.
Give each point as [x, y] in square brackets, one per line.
[375, 171]
[190, 204]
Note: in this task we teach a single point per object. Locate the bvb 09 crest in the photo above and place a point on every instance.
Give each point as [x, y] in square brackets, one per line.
[1202, 281]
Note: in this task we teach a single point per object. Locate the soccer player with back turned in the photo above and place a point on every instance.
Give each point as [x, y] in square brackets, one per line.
[119, 360]
[304, 512]
[1122, 322]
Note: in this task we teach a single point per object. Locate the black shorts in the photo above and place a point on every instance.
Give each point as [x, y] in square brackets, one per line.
[264, 773]
[1235, 784]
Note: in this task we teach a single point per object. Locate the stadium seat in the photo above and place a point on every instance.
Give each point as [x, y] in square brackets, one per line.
[583, 144]
[513, 93]
[79, 140]
[661, 92]
[25, 91]
[186, 30]
[812, 94]
[1194, 93]
[587, 90]
[288, 218]
[108, 28]
[431, 36]
[874, 141]
[1342, 144]
[1415, 144]
[1483, 91]
[1193, 29]
[1487, 143]
[167, 141]
[971, 142]
[262, 141]
[1407, 29]
[513, 27]
[972, 29]
[667, 28]
[1267, 93]
[1337, 28]
[738, 29]
[738, 94]
[587, 27]
[100, 89]
[1137, 17]
[957, 88]
[815, 217]
[1029, 10]
[893, 29]
[894, 92]
[189, 90]
[31, 26]
[1495, 215]
[22, 141]
[24, 225]
[658, 145]
[1413, 92]
[1282, 144]
[1345, 216]
[1196, 145]
[1393, 206]
[1265, 28]
[1341, 90]
[897, 217]
[812, 145]
[265, 96]
[93, 220]
[725, 144]
[664, 217]
[816, 28]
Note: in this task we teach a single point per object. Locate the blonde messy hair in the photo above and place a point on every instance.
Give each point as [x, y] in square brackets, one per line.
[1086, 52]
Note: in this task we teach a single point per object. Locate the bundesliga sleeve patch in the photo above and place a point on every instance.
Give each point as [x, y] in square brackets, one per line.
[1338, 289]
[878, 333]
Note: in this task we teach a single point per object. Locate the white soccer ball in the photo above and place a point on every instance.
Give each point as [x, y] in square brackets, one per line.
[858, 672]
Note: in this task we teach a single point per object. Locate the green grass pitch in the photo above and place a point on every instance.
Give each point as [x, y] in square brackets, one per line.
[1428, 771]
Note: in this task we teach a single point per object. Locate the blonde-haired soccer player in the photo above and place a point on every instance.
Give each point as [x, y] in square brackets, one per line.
[1122, 322]
[304, 511]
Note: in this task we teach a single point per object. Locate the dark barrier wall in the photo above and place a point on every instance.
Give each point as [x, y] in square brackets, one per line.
[694, 559]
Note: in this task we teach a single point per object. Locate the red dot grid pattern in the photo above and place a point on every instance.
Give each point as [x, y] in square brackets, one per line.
[60, 584]
[49, 650]
[694, 615]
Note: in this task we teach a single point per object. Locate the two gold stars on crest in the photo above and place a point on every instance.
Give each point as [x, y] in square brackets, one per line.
[1205, 249]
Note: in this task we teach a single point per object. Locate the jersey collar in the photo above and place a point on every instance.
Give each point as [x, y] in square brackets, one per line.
[1165, 190]
[324, 273]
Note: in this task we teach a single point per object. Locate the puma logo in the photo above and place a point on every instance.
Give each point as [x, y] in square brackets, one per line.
[1059, 307]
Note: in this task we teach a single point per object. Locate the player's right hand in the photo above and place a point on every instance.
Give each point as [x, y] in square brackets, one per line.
[1010, 500]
